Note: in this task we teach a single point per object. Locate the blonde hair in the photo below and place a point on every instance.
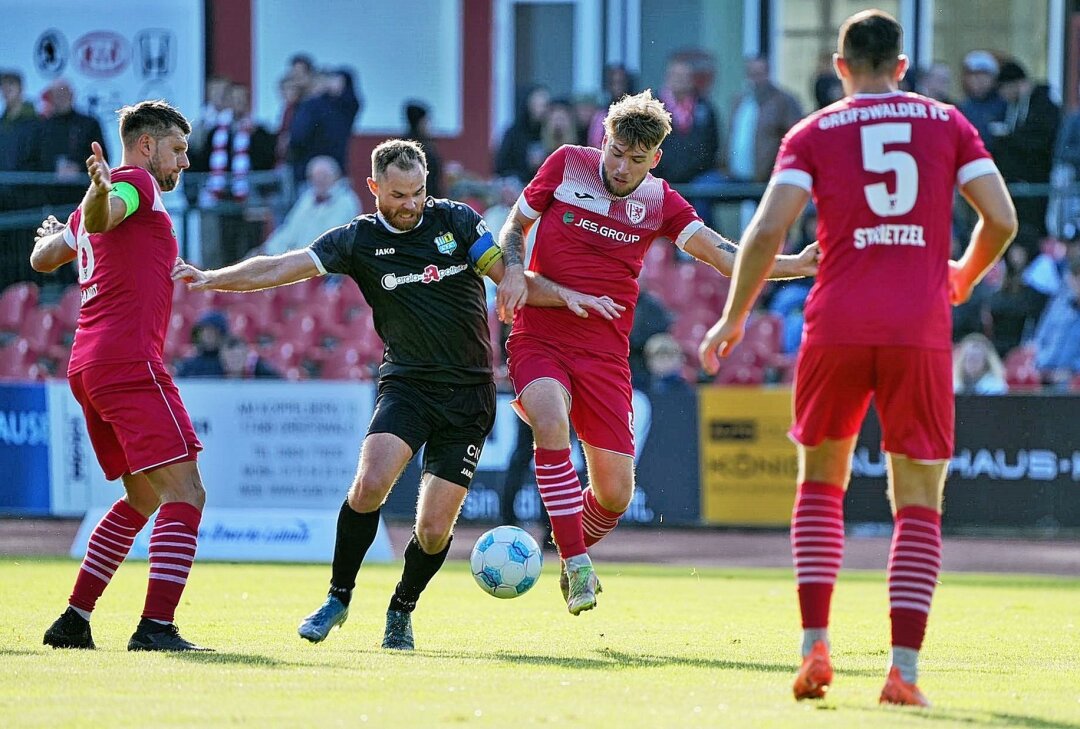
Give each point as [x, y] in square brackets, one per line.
[640, 121]
[993, 366]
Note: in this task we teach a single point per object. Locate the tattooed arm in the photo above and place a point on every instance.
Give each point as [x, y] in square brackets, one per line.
[512, 289]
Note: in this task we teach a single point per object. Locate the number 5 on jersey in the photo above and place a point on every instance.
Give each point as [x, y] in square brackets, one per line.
[902, 164]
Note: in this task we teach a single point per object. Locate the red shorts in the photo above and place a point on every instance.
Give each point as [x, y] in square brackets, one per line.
[912, 390]
[601, 397]
[134, 416]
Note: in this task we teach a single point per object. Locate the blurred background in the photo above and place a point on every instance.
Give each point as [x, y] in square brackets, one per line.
[287, 100]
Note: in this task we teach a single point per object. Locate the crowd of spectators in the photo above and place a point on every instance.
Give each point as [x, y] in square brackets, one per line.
[1023, 319]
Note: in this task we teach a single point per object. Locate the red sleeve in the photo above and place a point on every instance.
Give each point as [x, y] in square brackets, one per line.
[680, 219]
[794, 160]
[539, 193]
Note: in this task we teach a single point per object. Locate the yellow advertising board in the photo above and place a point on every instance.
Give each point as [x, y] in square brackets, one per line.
[748, 464]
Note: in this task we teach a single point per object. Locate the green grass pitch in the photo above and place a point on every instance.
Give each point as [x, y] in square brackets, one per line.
[667, 647]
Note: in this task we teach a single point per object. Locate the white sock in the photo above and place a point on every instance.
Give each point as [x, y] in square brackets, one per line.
[84, 614]
[811, 636]
[573, 564]
[907, 660]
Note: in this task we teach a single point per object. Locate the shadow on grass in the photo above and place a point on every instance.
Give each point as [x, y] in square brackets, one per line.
[973, 718]
[20, 652]
[607, 660]
[241, 659]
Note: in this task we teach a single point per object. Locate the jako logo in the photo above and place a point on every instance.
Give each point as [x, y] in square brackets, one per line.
[384, 251]
[102, 53]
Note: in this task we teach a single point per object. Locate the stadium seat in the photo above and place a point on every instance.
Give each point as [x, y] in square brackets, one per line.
[67, 310]
[1020, 370]
[40, 329]
[345, 363]
[763, 336]
[15, 360]
[14, 302]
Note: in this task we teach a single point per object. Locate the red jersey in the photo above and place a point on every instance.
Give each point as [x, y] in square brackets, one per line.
[125, 281]
[593, 241]
[882, 169]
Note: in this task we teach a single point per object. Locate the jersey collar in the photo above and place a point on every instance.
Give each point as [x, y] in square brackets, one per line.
[392, 229]
[885, 95]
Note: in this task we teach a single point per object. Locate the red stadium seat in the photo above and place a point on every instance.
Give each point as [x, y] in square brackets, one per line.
[67, 310]
[14, 302]
[15, 360]
[345, 363]
[40, 329]
[1020, 370]
[763, 336]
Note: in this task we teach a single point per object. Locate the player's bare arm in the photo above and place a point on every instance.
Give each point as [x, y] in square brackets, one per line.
[779, 209]
[991, 236]
[253, 274]
[545, 292]
[101, 211]
[50, 249]
[710, 247]
[512, 289]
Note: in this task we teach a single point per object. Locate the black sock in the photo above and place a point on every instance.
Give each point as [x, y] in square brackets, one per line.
[420, 567]
[355, 533]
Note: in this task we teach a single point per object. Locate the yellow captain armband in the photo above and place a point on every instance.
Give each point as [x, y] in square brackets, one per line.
[484, 253]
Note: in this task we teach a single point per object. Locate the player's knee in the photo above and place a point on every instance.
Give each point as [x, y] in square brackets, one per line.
[550, 430]
[367, 493]
[432, 536]
[196, 495]
[617, 499]
[145, 504]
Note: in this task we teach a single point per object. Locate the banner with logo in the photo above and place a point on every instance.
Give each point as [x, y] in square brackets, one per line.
[24, 449]
[111, 53]
[748, 464]
[1016, 464]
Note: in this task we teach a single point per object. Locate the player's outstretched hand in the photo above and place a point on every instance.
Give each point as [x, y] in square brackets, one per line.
[603, 305]
[194, 278]
[49, 226]
[718, 342]
[98, 169]
[808, 260]
[512, 293]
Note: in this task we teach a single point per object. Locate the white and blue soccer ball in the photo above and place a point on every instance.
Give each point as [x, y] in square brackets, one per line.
[506, 561]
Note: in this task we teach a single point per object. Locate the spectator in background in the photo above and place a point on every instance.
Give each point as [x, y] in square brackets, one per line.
[418, 129]
[66, 134]
[651, 318]
[1015, 307]
[240, 362]
[977, 369]
[18, 125]
[323, 122]
[935, 82]
[586, 107]
[208, 334]
[665, 362]
[327, 202]
[827, 88]
[559, 126]
[693, 146]
[760, 117]
[1057, 338]
[982, 104]
[521, 152]
[618, 82]
[1022, 143]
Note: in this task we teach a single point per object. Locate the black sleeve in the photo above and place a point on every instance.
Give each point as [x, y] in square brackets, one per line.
[468, 225]
[334, 249]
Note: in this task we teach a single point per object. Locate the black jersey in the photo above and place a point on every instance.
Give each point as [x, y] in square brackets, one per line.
[425, 288]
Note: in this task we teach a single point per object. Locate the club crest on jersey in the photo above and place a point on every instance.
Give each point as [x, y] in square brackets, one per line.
[446, 243]
[635, 211]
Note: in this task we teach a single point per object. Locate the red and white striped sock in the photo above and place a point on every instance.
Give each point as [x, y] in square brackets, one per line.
[595, 519]
[172, 550]
[914, 564]
[817, 544]
[109, 545]
[560, 491]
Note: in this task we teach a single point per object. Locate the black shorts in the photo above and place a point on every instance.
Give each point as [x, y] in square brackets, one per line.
[452, 420]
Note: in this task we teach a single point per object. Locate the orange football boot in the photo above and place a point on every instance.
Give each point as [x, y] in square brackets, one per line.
[815, 674]
[898, 691]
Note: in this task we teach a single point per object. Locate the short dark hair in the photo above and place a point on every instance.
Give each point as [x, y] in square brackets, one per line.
[640, 121]
[870, 41]
[156, 118]
[8, 75]
[401, 153]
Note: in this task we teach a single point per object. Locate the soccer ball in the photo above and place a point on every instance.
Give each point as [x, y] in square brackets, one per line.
[506, 561]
